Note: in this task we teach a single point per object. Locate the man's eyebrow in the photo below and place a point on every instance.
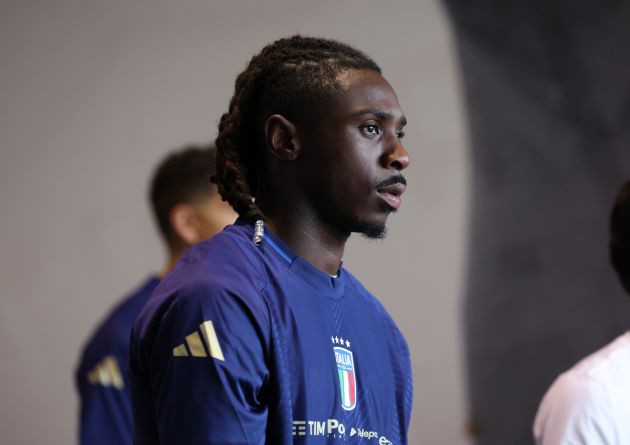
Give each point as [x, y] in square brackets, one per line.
[381, 114]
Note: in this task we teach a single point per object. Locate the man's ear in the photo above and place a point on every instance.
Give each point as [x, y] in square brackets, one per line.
[281, 138]
[184, 223]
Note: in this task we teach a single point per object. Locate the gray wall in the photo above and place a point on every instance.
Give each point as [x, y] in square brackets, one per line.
[93, 93]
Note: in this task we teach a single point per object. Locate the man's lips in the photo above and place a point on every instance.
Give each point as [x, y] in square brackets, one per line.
[391, 193]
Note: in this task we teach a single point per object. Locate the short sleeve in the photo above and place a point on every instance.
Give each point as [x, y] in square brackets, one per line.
[206, 370]
[105, 408]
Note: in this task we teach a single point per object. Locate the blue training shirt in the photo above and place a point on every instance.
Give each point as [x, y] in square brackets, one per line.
[246, 344]
[102, 375]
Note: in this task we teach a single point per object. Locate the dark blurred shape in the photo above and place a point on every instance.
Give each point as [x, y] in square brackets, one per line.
[548, 96]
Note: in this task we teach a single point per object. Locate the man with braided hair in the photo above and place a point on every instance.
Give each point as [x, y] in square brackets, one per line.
[259, 335]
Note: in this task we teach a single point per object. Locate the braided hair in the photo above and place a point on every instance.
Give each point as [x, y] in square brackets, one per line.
[289, 77]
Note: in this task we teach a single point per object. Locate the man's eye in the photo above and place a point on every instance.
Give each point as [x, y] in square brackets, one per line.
[400, 134]
[371, 129]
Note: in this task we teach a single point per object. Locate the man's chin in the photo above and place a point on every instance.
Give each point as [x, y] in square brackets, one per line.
[371, 230]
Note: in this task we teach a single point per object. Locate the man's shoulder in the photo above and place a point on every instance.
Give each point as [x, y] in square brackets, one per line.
[111, 336]
[608, 366]
[116, 325]
[357, 286]
[219, 272]
[225, 263]
[362, 292]
[590, 394]
[221, 260]
[376, 306]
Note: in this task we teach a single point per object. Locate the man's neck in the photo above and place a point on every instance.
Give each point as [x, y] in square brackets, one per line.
[173, 258]
[318, 244]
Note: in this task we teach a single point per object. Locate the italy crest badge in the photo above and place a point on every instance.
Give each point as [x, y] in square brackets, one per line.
[347, 378]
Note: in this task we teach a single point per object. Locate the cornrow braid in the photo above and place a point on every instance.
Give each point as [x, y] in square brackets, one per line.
[289, 77]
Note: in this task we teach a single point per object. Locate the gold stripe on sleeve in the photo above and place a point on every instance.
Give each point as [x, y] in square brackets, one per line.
[180, 351]
[103, 374]
[195, 345]
[114, 372]
[207, 329]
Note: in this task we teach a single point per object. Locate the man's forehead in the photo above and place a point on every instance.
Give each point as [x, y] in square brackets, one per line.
[364, 92]
[355, 77]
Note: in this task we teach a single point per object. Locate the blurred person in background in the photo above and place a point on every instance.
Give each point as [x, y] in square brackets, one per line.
[590, 403]
[187, 210]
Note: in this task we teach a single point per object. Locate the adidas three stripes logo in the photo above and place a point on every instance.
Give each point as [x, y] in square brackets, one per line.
[106, 373]
[195, 346]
